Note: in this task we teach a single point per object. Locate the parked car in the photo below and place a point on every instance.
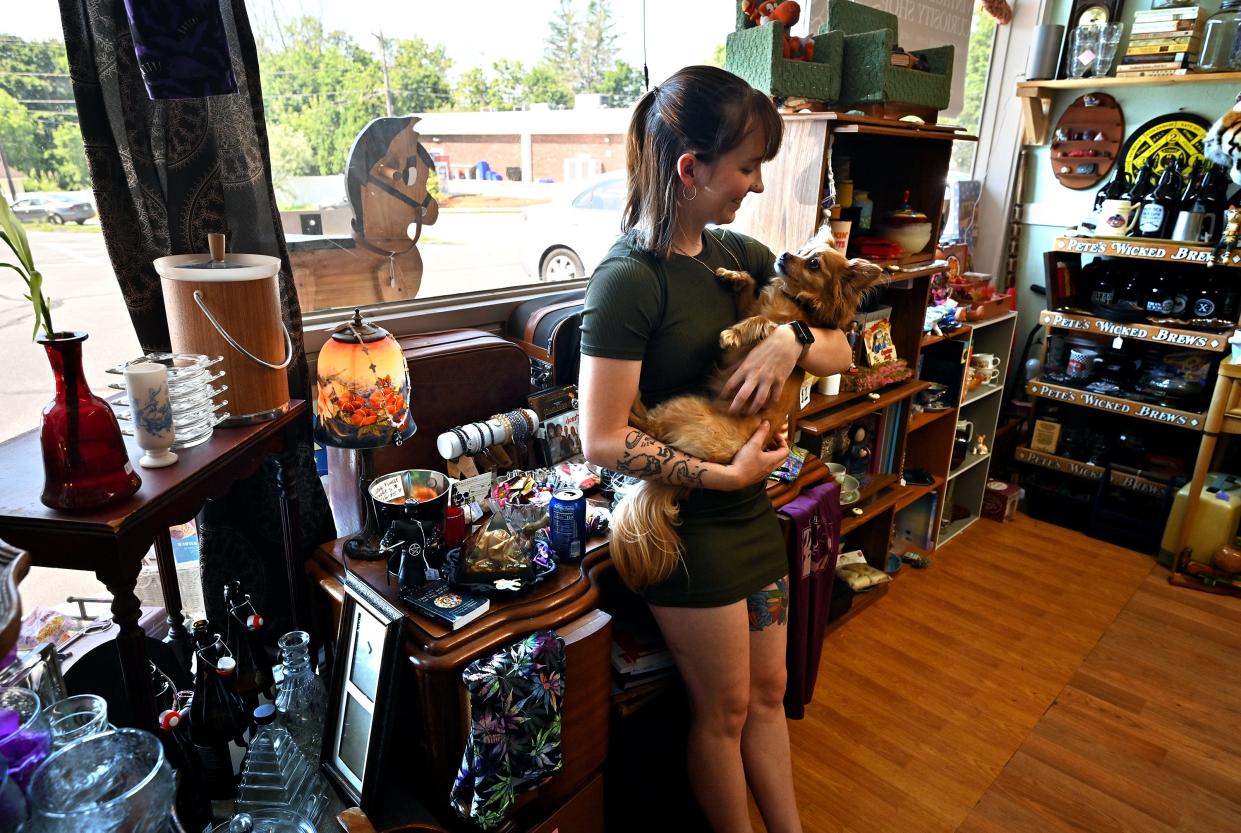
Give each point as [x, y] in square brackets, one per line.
[566, 238]
[54, 210]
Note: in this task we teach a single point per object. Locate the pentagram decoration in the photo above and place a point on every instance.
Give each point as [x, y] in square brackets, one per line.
[1173, 136]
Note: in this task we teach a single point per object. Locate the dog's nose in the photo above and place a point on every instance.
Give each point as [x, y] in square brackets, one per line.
[780, 261]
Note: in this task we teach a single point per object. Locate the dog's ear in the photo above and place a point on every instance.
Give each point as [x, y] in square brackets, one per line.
[864, 273]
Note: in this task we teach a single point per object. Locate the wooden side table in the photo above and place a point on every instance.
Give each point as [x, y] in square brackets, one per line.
[112, 541]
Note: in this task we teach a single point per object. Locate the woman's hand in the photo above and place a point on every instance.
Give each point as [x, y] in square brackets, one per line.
[752, 463]
[757, 379]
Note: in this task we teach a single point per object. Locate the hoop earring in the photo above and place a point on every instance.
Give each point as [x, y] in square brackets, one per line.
[687, 197]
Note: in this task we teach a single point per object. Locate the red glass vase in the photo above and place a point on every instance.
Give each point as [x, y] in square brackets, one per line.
[85, 463]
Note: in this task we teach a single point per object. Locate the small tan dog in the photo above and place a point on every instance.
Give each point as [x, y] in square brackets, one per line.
[819, 286]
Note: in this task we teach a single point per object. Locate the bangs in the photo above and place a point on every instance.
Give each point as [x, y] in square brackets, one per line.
[752, 112]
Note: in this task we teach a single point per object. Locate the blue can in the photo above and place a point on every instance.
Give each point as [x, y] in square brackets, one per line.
[568, 522]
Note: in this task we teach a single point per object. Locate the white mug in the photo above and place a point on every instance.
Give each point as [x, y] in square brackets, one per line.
[151, 413]
[985, 360]
[1116, 218]
[986, 374]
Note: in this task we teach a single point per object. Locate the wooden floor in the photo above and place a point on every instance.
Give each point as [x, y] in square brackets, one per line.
[1032, 679]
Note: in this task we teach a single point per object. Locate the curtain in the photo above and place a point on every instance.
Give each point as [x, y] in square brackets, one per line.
[165, 173]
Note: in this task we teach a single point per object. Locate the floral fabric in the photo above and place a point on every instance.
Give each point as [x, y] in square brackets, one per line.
[516, 697]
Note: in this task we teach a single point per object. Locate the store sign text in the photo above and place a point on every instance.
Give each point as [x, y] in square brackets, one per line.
[1111, 328]
[1116, 406]
[1125, 249]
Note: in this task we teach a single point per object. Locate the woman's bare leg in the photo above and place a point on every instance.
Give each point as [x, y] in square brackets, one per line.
[711, 647]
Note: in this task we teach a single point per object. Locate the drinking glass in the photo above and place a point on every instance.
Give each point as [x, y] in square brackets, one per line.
[1083, 50]
[25, 738]
[114, 781]
[12, 802]
[76, 718]
[1109, 40]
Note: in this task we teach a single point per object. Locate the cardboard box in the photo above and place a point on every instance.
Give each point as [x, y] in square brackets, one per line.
[999, 500]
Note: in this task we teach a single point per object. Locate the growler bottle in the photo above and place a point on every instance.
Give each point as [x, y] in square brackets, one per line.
[1159, 295]
[1115, 188]
[1160, 209]
[191, 805]
[243, 638]
[217, 715]
[1140, 187]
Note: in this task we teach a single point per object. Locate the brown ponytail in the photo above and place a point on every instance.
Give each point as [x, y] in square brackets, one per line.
[701, 110]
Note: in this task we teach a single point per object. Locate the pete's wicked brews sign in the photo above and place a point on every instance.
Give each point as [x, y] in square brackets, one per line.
[1142, 410]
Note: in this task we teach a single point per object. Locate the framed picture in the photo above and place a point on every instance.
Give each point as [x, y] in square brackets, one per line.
[558, 438]
[362, 699]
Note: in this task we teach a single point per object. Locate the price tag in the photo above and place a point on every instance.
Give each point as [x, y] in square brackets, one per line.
[804, 394]
[474, 489]
[386, 491]
[1118, 343]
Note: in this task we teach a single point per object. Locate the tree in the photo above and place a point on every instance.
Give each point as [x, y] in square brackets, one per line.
[419, 77]
[977, 63]
[717, 57]
[507, 84]
[598, 46]
[562, 45]
[473, 91]
[19, 135]
[544, 85]
[65, 160]
[622, 85]
[291, 155]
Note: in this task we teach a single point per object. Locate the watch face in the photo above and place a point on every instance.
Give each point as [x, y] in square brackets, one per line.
[1097, 13]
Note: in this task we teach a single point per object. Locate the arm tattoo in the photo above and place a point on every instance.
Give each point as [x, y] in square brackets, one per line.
[649, 459]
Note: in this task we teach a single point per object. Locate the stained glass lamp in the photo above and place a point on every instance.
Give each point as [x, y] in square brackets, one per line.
[362, 402]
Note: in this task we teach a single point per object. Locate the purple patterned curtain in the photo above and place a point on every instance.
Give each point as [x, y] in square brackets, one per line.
[165, 173]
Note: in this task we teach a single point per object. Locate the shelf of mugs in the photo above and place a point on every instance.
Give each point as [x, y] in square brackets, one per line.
[1144, 248]
[1116, 405]
[1154, 333]
[980, 392]
[1088, 471]
[971, 460]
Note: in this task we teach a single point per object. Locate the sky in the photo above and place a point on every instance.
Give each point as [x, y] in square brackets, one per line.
[678, 33]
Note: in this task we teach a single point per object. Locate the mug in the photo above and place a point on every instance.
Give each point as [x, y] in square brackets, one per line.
[1116, 218]
[1188, 226]
[1081, 362]
[986, 361]
[966, 426]
[987, 374]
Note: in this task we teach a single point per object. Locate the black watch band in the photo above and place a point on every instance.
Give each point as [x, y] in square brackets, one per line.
[804, 337]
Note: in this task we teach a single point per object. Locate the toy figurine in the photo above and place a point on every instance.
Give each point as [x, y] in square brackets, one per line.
[857, 458]
[980, 444]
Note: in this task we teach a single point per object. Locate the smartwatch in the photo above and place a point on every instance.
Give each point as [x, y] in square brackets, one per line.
[804, 337]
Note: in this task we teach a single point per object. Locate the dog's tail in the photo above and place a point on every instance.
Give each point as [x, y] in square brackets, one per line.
[645, 546]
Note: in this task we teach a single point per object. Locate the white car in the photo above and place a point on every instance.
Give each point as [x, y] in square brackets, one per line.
[566, 238]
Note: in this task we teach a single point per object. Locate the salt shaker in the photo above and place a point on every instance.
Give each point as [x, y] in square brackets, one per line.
[151, 413]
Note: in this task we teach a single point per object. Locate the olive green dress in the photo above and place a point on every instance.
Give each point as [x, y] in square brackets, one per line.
[668, 314]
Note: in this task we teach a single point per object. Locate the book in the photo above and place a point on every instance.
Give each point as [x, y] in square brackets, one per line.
[1127, 68]
[439, 602]
[1179, 57]
[1171, 27]
[1159, 37]
[1181, 46]
[1183, 13]
[1151, 73]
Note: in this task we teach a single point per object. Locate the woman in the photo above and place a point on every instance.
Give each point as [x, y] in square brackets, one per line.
[651, 325]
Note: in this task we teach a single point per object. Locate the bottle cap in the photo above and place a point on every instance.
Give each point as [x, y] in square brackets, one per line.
[254, 622]
[169, 719]
[264, 714]
[225, 665]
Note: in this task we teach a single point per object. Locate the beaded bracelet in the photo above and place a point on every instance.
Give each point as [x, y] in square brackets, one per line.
[521, 428]
[505, 422]
[465, 446]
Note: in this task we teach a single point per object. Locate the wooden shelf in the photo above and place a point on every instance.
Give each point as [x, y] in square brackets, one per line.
[1143, 248]
[861, 601]
[1036, 96]
[980, 392]
[954, 529]
[860, 407]
[911, 493]
[929, 338]
[987, 322]
[919, 420]
[857, 123]
[1154, 333]
[882, 500]
[1116, 405]
[1122, 479]
[968, 463]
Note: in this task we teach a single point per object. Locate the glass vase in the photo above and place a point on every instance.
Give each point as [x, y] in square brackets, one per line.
[85, 463]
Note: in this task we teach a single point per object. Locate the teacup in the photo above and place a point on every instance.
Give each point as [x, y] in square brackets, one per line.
[837, 471]
[985, 360]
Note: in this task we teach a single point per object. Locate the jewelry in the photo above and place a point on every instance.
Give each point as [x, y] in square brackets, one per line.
[491, 434]
[504, 424]
[687, 197]
[465, 446]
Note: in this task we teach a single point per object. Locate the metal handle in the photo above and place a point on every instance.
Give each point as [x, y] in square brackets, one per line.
[288, 340]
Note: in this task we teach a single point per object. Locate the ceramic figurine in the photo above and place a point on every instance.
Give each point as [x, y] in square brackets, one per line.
[980, 444]
[151, 413]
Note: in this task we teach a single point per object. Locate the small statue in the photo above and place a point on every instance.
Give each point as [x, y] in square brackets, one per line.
[1228, 237]
[980, 444]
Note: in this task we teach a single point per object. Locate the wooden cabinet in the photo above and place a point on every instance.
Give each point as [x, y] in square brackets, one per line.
[888, 159]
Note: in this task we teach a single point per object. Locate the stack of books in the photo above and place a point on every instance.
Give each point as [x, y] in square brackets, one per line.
[640, 658]
[1163, 42]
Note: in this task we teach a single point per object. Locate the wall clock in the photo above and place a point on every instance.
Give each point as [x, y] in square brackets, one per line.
[1086, 13]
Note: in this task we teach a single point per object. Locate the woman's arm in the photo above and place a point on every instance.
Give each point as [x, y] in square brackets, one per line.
[759, 377]
[606, 390]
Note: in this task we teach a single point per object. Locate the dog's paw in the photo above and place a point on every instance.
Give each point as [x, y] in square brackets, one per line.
[730, 339]
[733, 278]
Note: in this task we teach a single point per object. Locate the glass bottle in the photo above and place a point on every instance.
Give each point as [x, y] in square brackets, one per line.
[1219, 36]
[243, 637]
[85, 463]
[1115, 188]
[277, 774]
[1131, 297]
[192, 807]
[301, 698]
[214, 713]
[1159, 211]
[866, 209]
[1159, 298]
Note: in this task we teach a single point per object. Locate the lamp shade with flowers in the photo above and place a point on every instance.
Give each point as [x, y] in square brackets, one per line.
[363, 388]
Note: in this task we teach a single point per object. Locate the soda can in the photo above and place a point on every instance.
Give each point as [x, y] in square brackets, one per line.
[568, 522]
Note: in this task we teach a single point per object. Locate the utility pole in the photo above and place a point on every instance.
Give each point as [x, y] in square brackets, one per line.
[8, 175]
[383, 51]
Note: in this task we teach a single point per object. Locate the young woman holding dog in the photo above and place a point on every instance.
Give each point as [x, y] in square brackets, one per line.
[651, 325]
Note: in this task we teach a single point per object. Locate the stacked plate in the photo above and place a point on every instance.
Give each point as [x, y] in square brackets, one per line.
[196, 411]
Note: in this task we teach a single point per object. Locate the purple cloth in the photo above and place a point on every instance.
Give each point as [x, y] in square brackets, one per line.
[181, 48]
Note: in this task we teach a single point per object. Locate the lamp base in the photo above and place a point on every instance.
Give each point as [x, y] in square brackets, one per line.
[364, 545]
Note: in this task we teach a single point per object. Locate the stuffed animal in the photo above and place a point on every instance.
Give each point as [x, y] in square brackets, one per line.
[787, 12]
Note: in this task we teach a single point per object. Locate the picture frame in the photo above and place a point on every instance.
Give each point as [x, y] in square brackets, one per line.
[363, 698]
